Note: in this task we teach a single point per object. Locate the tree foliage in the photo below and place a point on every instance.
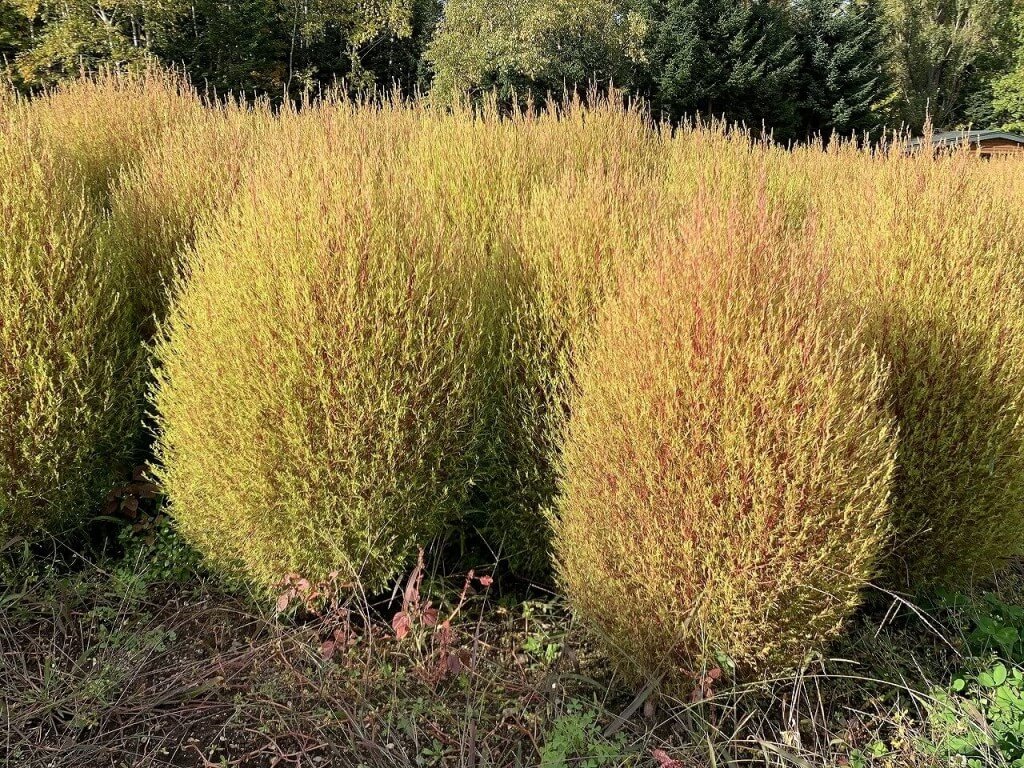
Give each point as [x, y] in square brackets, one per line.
[543, 45]
[842, 71]
[725, 59]
[1008, 89]
[941, 53]
[248, 45]
[797, 68]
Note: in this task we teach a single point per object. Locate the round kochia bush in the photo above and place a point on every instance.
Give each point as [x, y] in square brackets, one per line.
[927, 257]
[69, 392]
[726, 467]
[312, 390]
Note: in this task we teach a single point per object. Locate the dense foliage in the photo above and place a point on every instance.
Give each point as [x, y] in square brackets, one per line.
[257, 45]
[359, 397]
[931, 255]
[1008, 89]
[69, 405]
[726, 468]
[748, 377]
[159, 200]
[73, 383]
[797, 67]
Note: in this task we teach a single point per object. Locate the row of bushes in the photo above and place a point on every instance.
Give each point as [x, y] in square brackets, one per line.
[733, 383]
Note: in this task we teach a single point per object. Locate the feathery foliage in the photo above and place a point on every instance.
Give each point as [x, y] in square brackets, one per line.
[68, 364]
[929, 250]
[74, 378]
[315, 402]
[159, 201]
[95, 126]
[388, 323]
[726, 468]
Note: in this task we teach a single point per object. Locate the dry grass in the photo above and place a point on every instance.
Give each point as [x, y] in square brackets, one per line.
[107, 663]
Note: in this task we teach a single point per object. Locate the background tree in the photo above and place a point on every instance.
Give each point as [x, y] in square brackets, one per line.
[268, 46]
[798, 67]
[399, 59]
[1008, 89]
[535, 45]
[843, 77]
[15, 27]
[78, 34]
[943, 54]
[722, 58]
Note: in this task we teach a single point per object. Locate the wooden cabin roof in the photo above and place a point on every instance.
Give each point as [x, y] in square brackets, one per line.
[977, 138]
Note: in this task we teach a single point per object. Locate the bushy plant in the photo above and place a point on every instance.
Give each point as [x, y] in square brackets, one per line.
[580, 233]
[159, 200]
[94, 126]
[928, 253]
[475, 175]
[74, 382]
[726, 467]
[69, 395]
[314, 398]
[545, 206]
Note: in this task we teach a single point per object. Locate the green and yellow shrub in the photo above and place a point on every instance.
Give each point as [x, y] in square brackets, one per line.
[314, 398]
[191, 174]
[96, 126]
[580, 234]
[510, 234]
[726, 467]
[69, 396]
[74, 374]
[928, 253]
[474, 173]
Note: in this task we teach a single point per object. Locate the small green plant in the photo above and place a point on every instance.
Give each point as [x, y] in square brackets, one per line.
[991, 624]
[575, 740]
[999, 627]
[981, 717]
[863, 758]
[545, 631]
[169, 557]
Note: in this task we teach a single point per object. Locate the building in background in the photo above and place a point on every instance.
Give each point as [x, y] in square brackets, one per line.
[988, 143]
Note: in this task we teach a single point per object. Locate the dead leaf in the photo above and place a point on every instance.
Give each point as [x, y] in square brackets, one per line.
[454, 664]
[664, 761]
[402, 624]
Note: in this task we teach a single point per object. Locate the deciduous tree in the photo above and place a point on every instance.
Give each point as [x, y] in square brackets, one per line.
[1008, 89]
[538, 45]
[942, 52]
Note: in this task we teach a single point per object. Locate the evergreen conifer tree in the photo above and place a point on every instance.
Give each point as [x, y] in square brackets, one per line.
[723, 58]
[843, 65]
